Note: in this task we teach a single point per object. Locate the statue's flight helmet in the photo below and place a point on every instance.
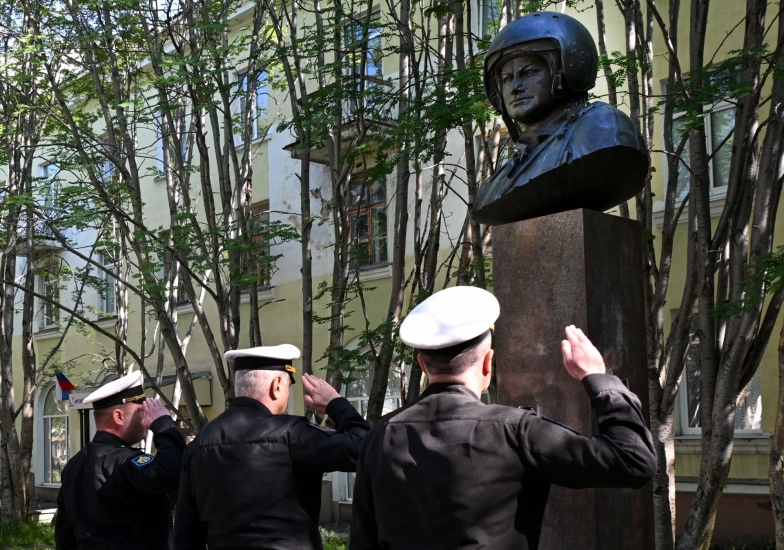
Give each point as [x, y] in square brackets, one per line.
[545, 33]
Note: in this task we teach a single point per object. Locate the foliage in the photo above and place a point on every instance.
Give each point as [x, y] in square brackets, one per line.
[25, 533]
[332, 541]
[763, 278]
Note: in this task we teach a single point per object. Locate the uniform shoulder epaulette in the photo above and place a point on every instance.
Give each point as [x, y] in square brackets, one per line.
[142, 460]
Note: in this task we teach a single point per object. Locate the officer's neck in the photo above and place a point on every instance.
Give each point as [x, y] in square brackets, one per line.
[117, 431]
[473, 383]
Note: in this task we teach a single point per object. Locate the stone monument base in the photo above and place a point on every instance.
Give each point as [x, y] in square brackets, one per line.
[581, 268]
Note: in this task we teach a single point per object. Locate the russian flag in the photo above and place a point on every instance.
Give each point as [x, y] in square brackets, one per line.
[64, 387]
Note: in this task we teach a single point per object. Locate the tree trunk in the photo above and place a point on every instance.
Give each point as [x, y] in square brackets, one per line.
[776, 464]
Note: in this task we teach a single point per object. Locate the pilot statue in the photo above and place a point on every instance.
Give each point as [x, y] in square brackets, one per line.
[568, 153]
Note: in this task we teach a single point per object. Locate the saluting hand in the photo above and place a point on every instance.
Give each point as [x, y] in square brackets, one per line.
[152, 410]
[319, 393]
[580, 356]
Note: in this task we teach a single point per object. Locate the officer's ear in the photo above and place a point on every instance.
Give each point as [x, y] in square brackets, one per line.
[276, 388]
[421, 363]
[487, 363]
[118, 416]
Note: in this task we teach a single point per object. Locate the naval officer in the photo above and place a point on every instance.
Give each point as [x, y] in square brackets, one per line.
[449, 472]
[114, 496]
[252, 477]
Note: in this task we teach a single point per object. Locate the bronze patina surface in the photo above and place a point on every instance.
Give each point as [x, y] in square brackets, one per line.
[584, 268]
[567, 153]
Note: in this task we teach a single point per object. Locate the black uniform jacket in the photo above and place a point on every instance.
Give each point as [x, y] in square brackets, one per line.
[252, 479]
[449, 472]
[114, 495]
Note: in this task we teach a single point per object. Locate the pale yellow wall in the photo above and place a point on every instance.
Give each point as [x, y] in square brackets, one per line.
[282, 321]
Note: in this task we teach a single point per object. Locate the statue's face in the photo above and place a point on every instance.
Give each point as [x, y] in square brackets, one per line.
[526, 87]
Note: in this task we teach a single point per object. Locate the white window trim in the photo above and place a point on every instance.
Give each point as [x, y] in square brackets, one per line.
[257, 120]
[38, 436]
[682, 410]
[109, 280]
[107, 167]
[717, 195]
[340, 482]
[46, 323]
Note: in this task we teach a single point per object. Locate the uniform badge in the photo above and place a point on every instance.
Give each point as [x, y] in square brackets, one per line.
[142, 460]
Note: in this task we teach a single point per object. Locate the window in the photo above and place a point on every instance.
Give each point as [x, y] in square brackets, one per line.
[48, 174]
[55, 437]
[363, 40]
[748, 414]
[368, 210]
[719, 123]
[357, 393]
[259, 114]
[47, 197]
[107, 167]
[159, 160]
[490, 16]
[109, 291]
[257, 266]
[49, 286]
[364, 35]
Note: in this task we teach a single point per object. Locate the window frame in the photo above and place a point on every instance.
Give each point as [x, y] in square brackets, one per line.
[483, 7]
[108, 264]
[107, 168]
[48, 310]
[50, 194]
[367, 208]
[683, 398]
[258, 212]
[709, 110]
[160, 164]
[261, 115]
[41, 447]
[346, 480]
[352, 68]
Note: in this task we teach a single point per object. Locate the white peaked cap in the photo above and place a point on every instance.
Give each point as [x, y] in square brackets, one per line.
[284, 352]
[114, 387]
[450, 317]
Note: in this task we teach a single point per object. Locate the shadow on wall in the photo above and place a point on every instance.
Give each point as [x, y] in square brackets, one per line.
[740, 519]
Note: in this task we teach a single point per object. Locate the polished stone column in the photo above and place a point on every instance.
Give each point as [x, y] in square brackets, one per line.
[583, 268]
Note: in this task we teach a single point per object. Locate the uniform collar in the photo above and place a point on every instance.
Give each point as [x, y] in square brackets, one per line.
[106, 437]
[249, 402]
[448, 387]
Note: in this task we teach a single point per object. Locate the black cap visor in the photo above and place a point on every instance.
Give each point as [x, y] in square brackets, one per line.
[264, 363]
[131, 395]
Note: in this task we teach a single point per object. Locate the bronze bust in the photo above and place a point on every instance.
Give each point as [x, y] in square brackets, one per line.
[569, 153]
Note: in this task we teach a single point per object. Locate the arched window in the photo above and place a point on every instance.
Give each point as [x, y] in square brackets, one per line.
[55, 437]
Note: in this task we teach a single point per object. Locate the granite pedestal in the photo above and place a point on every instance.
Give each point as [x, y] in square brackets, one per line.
[583, 268]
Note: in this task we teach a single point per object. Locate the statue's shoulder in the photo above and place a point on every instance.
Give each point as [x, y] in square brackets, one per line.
[603, 125]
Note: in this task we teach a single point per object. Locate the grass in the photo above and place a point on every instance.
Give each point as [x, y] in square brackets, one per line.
[33, 533]
[745, 546]
[26, 534]
[331, 542]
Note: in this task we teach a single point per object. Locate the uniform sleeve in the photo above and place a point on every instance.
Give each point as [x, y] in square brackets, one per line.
[622, 455]
[314, 449]
[64, 534]
[190, 532]
[158, 475]
[364, 530]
